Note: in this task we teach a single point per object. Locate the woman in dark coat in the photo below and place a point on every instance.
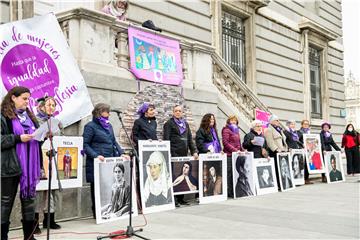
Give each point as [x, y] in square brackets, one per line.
[99, 142]
[145, 126]
[254, 141]
[207, 139]
[351, 142]
[327, 142]
[21, 159]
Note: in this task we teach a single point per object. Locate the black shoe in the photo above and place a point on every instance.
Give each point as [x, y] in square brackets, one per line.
[177, 204]
[183, 202]
[149, 24]
[28, 228]
[5, 230]
[53, 224]
[36, 224]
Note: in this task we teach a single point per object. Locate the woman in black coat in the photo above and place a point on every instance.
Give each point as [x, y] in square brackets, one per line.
[21, 159]
[99, 142]
[254, 141]
[145, 126]
[292, 136]
[207, 138]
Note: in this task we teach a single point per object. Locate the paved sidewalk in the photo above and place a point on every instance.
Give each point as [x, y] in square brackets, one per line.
[327, 211]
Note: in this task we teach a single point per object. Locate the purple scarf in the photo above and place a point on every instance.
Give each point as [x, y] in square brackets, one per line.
[215, 142]
[327, 134]
[277, 128]
[294, 135]
[43, 116]
[104, 122]
[181, 123]
[29, 157]
[305, 130]
[234, 128]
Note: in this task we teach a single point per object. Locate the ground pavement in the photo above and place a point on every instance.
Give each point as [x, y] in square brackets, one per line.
[326, 211]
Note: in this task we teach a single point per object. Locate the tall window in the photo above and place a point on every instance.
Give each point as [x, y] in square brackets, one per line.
[233, 43]
[5, 11]
[315, 82]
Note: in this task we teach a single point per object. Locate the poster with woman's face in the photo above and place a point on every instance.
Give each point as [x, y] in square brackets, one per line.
[334, 168]
[265, 176]
[112, 189]
[185, 175]
[314, 157]
[286, 176]
[155, 176]
[213, 183]
[243, 174]
[297, 158]
[69, 162]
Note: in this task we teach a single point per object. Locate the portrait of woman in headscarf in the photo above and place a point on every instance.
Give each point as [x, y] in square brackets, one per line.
[157, 188]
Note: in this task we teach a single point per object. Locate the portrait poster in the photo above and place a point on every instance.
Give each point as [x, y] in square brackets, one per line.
[35, 54]
[69, 163]
[155, 176]
[112, 189]
[265, 176]
[213, 174]
[334, 167]
[243, 174]
[155, 58]
[314, 157]
[298, 166]
[185, 175]
[285, 174]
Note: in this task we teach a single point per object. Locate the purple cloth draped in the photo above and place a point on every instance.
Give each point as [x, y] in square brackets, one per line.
[43, 116]
[181, 123]
[294, 135]
[277, 128]
[104, 122]
[29, 157]
[234, 128]
[327, 134]
[305, 130]
[215, 142]
[24, 119]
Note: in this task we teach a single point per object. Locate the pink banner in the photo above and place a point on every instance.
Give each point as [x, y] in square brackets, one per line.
[263, 117]
[155, 58]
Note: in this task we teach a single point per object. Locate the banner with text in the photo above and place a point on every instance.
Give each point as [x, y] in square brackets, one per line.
[34, 54]
[155, 58]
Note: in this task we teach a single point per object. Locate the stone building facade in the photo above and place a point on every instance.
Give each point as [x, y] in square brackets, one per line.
[285, 57]
[352, 101]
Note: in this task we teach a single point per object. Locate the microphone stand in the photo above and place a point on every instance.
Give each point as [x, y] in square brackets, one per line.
[129, 231]
[51, 153]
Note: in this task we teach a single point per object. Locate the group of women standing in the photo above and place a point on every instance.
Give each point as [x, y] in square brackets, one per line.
[21, 154]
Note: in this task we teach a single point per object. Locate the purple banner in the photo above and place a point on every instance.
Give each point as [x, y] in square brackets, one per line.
[155, 58]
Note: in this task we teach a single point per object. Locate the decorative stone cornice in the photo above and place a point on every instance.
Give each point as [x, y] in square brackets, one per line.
[259, 3]
[316, 28]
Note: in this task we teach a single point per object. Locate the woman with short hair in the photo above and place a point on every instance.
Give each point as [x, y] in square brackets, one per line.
[99, 142]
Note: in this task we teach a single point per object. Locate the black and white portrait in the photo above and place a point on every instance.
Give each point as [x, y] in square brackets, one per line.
[185, 175]
[155, 173]
[286, 177]
[265, 176]
[112, 189]
[243, 180]
[298, 165]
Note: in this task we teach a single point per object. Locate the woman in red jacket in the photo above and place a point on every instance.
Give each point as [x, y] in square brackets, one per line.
[351, 142]
[232, 143]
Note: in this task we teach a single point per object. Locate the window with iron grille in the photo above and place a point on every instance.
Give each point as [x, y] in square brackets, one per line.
[315, 82]
[233, 43]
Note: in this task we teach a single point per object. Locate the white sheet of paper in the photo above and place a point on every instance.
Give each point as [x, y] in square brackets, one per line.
[42, 131]
[259, 141]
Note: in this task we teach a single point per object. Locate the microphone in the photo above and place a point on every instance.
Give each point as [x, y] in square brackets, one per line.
[116, 110]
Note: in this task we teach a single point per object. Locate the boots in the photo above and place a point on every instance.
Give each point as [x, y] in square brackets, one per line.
[36, 224]
[53, 224]
[28, 229]
[4, 230]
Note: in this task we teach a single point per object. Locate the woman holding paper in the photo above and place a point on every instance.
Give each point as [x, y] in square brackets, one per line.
[99, 142]
[232, 143]
[254, 141]
[20, 159]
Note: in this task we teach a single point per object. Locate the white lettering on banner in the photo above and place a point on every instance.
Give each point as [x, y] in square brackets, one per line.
[32, 72]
